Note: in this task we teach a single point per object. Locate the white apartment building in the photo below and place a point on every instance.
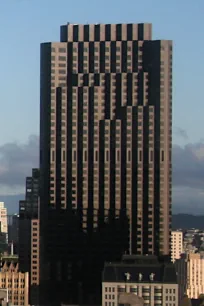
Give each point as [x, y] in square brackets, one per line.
[176, 245]
[140, 280]
[190, 271]
[3, 220]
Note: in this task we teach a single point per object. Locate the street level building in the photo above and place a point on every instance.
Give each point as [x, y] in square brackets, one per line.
[144, 276]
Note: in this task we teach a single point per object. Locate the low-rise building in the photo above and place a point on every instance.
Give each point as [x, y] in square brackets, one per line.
[15, 282]
[144, 276]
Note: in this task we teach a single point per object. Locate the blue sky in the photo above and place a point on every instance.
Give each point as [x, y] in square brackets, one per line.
[24, 24]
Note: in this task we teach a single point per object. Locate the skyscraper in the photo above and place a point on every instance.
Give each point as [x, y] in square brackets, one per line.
[28, 210]
[29, 232]
[105, 149]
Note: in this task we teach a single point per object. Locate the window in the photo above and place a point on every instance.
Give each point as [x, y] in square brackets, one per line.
[62, 71]
[129, 155]
[107, 156]
[118, 155]
[96, 156]
[61, 50]
[62, 65]
[62, 58]
[140, 155]
[162, 159]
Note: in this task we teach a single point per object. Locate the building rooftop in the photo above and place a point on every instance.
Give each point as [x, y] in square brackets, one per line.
[144, 269]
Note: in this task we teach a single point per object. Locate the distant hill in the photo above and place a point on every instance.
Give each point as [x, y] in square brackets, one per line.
[186, 221]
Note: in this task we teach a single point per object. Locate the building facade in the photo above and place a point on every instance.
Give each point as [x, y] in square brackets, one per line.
[105, 150]
[4, 221]
[35, 253]
[16, 284]
[28, 210]
[29, 234]
[13, 232]
[154, 282]
[176, 245]
[190, 269]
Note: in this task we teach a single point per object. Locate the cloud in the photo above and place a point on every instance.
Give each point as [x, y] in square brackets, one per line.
[16, 162]
[179, 132]
[188, 177]
[188, 165]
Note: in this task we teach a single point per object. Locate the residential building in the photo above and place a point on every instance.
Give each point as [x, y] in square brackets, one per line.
[176, 245]
[3, 221]
[142, 276]
[105, 153]
[190, 270]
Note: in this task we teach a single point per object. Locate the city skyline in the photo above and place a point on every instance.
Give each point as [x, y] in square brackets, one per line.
[188, 183]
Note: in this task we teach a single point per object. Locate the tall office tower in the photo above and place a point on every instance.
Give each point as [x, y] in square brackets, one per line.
[105, 151]
[4, 221]
[28, 211]
[176, 245]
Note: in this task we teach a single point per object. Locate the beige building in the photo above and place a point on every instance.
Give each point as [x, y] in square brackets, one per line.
[105, 147]
[3, 220]
[16, 283]
[190, 268]
[154, 282]
[176, 245]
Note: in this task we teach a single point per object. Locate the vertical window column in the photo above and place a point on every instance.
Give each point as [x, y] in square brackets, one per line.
[117, 165]
[107, 165]
[85, 147]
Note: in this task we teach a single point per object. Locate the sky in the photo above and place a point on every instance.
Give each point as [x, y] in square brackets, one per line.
[24, 24]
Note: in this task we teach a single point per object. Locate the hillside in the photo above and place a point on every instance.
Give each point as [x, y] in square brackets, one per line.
[186, 221]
